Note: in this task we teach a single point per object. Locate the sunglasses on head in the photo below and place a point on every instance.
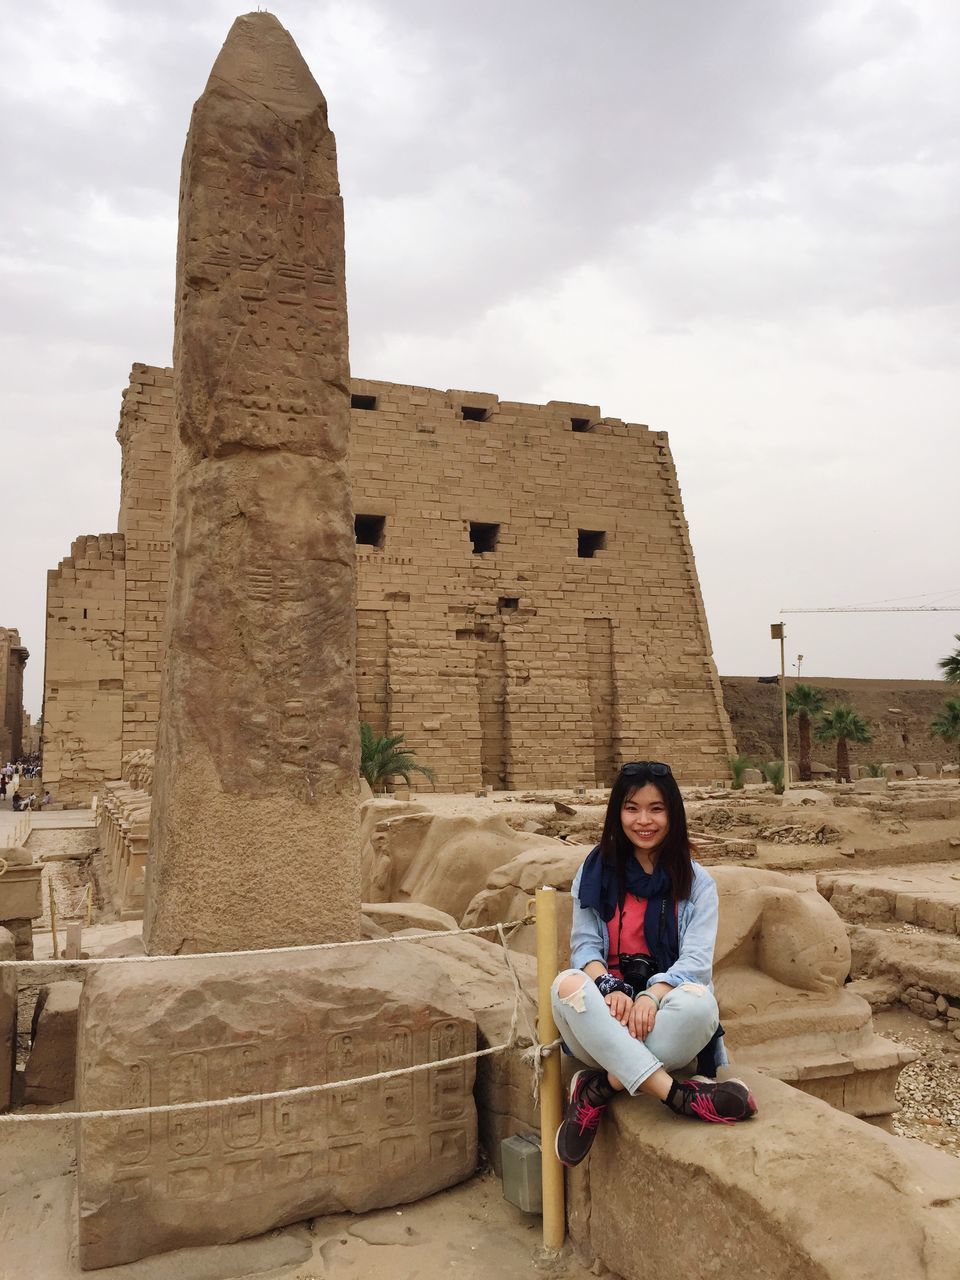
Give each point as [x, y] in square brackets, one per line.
[646, 768]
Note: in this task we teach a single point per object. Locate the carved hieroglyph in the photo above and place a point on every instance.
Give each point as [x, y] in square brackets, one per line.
[192, 1029]
[254, 829]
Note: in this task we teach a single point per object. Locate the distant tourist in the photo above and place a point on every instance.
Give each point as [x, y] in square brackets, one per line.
[47, 797]
[19, 802]
[3, 786]
[637, 1002]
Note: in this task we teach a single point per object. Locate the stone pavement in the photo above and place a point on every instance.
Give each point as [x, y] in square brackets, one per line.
[926, 895]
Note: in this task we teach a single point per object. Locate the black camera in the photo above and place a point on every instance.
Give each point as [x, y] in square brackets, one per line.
[637, 970]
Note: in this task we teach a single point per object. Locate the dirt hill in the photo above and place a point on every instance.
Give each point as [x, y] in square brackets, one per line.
[898, 712]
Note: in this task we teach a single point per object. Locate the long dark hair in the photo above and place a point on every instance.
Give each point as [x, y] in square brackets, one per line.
[674, 854]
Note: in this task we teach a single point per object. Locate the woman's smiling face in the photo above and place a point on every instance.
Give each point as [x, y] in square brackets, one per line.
[644, 818]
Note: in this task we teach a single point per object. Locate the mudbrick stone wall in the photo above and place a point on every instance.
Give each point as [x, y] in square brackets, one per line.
[84, 669]
[898, 713]
[13, 659]
[528, 606]
[146, 441]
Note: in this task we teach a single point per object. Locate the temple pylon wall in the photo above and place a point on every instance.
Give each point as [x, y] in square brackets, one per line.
[529, 612]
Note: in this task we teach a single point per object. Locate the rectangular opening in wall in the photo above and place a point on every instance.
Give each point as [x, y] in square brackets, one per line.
[369, 530]
[363, 402]
[484, 537]
[506, 604]
[580, 424]
[474, 412]
[589, 542]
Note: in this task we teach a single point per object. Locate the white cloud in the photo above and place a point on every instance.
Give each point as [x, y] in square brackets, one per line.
[737, 227]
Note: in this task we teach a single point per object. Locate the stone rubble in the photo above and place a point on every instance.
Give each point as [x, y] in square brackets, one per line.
[928, 1090]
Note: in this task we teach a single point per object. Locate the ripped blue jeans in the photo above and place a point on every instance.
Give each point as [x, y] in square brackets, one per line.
[687, 1018]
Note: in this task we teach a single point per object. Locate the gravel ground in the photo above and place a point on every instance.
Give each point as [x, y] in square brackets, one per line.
[929, 1089]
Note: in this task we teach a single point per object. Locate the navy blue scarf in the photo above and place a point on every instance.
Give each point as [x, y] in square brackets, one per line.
[600, 889]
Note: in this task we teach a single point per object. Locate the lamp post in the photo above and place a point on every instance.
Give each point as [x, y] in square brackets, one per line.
[777, 633]
[798, 664]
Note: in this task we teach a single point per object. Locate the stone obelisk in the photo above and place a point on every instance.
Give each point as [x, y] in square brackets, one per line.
[254, 835]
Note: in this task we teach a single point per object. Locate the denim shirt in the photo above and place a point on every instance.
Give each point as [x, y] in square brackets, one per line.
[696, 924]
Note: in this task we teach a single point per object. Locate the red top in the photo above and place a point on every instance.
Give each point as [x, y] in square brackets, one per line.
[632, 940]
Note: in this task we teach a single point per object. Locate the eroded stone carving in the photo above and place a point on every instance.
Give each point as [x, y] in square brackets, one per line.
[254, 821]
[189, 1030]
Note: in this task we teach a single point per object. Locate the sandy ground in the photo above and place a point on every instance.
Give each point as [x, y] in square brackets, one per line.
[469, 1232]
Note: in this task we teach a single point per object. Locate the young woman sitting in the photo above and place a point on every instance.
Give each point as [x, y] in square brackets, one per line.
[637, 1002]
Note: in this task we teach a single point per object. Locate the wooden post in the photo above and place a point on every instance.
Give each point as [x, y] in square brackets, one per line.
[551, 1087]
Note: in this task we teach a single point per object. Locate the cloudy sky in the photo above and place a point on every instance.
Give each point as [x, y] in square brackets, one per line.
[736, 222]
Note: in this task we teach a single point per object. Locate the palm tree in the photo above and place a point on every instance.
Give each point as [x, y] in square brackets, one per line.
[806, 703]
[382, 758]
[950, 666]
[947, 723]
[844, 725]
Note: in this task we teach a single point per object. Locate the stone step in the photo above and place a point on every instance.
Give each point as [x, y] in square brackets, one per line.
[928, 896]
[800, 1191]
[923, 959]
[840, 857]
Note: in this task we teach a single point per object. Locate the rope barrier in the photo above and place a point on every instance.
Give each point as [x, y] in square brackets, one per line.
[531, 1056]
[299, 1091]
[264, 951]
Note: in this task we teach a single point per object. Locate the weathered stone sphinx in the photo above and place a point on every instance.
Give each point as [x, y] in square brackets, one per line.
[782, 959]
[123, 819]
[254, 831]
[438, 860]
[188, 1030]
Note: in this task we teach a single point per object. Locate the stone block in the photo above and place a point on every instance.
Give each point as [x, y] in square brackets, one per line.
[8, 1018]
[22, 933]
[20, 897]
[190, 1029]
[899, 769]
[51, 1067]
[806, 796]
[763, 1207]
[867, 786]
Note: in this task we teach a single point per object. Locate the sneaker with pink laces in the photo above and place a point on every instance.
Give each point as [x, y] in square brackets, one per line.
[716, 1101]
[589, 1094]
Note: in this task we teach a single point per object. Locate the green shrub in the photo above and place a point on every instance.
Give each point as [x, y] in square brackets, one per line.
[738, 767]
[773, 772]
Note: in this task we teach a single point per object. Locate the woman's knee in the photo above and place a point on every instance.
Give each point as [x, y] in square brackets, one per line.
[695, 1002]
[568, 987]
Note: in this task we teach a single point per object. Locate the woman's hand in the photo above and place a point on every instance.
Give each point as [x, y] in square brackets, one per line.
[620, 1006]
[642, 1017]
